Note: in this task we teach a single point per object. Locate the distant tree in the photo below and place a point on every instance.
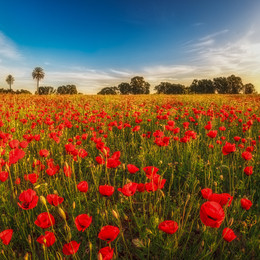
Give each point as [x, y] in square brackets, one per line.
[10, 81]
[108, 91]
[38, 74]
[249, 89]
[235, 84]
[67, 90]
[203, 86]
[125, 88]
[139, 86]
[46, 90]
[169, 88]
[221, 85]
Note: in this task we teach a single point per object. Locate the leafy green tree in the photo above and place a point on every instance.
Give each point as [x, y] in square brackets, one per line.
[169, 88]
[67, 90]
[46, 90]
[10, 81]
[139, 86]
[221, 85]
[108, 91]
[38, 74]
[235, 84]
[203, 86]
[249, 88]
[125, 88]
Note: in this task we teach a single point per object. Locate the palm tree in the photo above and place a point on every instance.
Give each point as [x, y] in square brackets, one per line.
[38, 74]
[10, 81]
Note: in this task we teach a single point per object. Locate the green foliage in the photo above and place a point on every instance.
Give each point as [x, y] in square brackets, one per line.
[170, 88]
[108, 91]
[10, 80]
[67, 90]
[46, 90]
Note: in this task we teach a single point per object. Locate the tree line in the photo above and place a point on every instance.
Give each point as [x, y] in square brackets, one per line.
[220, 85]
[38, 74]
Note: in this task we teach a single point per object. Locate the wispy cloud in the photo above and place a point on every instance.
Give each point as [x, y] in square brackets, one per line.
[8, 49]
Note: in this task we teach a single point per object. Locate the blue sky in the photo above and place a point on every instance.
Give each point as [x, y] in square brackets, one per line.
[94, 44]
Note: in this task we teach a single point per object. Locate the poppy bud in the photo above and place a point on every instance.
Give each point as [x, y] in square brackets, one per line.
[62, 213]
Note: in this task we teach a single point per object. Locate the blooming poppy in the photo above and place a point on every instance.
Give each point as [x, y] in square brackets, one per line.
[44, 220]
[44, 153]
[222, 199]
[246, 204]
[70, 248]
[29, 199]
[106, 253]
[15, 155]
[247, 155]
[106, 190]
[82, 222]
[129, 189]
[206, 193]
[228, 234]
[83, 186]
[6, 236]
[54, 199]
[47, 240]
[112, 163]
[248, 170]
[32, 177]
[168, 226]
[212, 214]
[132, 168]
[212, 133]
[228, 148]
[108, 233]
[3, 176]
[67, 170]
[150, 171]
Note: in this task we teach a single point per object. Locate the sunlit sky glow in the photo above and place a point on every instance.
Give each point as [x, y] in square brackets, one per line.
[94, 44]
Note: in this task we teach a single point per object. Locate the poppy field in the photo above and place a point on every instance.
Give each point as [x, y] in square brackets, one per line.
[129, 177]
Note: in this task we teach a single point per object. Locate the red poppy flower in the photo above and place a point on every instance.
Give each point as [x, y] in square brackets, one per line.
[108, 233]
[70, 248]
[106, 190]
[150, 171]
[44, 220]
[212, 133]
[132, 168]
[82, 222]
[106, 253]
[113, 163]
[246, 204]
[29, 199]
[168, 226]
[222, 199]
[67, 170]
[248, 170]
[141, 187]
[44, 153]
[228, 234]
[247, 156]
[23, 144]
[54, 199]
[212, 214]
[32, 177]
[3, 176]
[129, 189]
[82, 153]
[15, 155]
[237, 138]
[206, 193]
[48, 239]
[228, 148]
[83, 186]
[6, 236]
[14, 144]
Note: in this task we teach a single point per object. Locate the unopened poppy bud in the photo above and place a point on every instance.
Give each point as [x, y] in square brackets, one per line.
[62, 213]
[37, 186]
[215, 183]
[73, 205]
[123, 166]
[188, 197]
[43, 200]
[221, 177]
[115, 214]
[90, 246]
[202, 243]
[26, 257]
[29, 239]
[230, 222]
[55, 192]
[100, 256]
